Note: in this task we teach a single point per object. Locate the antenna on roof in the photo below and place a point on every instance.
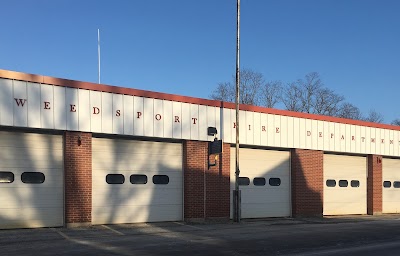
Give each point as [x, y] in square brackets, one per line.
[98, 50]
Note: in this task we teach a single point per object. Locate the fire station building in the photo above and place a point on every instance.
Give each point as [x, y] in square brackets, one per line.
[76, 153]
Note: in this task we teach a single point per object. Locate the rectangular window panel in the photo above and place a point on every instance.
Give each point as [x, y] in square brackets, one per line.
[244, 181]
[396, 184]
[275, 182]
[160, 179]
[331, 183]
[259, 181]
[138, 179]
[115, 179]
[343, 183]
[355, 183]
[32, 177]
[387, 184]
[6, 177]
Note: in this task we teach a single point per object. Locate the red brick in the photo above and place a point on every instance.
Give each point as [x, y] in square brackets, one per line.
[78, 177]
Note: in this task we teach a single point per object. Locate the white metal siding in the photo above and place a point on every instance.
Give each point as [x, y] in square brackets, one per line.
[263, 201]
[31, 205]
[391, 196]
[345, 200]
[129, 203]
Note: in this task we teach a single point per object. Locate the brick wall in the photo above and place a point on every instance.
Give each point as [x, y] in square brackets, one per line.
[307, 182]
[218, 186]
[78, 178]
[374, 190]
[206, 192]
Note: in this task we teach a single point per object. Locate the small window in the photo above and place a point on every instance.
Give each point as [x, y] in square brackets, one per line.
[6, 177]
[275, 182]
[331, 183]
[396, 184]
[115, 179]
[244, 181]
[387, 184]
[259, 181]
[355, 183]
[343, 183]
[160, 179]
[138, 179]
[32, 177]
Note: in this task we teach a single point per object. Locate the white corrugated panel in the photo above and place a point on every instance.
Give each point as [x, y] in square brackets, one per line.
[267, 200]
[130, 203]
[345, 200]
[391, 191]
[27, 205]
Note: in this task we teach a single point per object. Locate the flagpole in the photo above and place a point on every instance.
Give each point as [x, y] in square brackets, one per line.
[236, 193]
[98, 51]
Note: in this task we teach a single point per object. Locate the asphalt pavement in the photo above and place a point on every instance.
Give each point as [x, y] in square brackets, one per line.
[347, 235]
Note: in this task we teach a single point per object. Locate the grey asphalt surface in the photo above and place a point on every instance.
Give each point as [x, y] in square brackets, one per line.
[355, 235]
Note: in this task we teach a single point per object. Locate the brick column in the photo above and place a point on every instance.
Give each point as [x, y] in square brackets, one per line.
[206, 192]
[218, 187]
[374, 190]
[307, 182]
[78, 178]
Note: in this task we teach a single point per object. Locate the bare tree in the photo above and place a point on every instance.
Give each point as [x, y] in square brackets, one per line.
[309, 87]
[396, 122]
[224, 92]
[327, 102]
[271, 93]
[348, 110]
[290, 97]
[374, 117]
[250, 86]
[310, 96]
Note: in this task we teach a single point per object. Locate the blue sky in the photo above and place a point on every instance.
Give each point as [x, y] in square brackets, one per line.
[186, 47]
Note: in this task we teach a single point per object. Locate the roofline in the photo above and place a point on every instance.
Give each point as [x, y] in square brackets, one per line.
[186, 99]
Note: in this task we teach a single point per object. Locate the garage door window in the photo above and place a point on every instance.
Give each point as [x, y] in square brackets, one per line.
[259, 181]
[138, 179]
[32, 177]
[6, 177]
[274, 182]
[396, 184]
[387, 184]
[244, 181]
[343, 183]
[331, 183]
[115, 179]
[355, 183]
[160, 179]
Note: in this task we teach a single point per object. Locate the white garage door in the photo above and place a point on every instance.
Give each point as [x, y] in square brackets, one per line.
[345, 185]
[391, 185]
[136, 181]
[31, 180]
[265, 182]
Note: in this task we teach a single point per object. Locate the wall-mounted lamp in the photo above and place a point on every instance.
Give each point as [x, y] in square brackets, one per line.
[212, 131]
[79, 140]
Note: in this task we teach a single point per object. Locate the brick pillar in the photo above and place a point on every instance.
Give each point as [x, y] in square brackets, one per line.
[218, 187]
[374, 190]
[307, 182]
[78, 178]
[206, 192]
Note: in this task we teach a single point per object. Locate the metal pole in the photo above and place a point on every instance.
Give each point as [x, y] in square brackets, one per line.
[237, 203]
[98, 50]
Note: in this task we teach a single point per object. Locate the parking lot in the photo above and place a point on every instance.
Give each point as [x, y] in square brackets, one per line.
[356, 235]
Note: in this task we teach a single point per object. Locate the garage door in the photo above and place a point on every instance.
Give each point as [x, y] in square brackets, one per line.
[136, 181]
[264, 182]
[391, 185]
[345, 185]
[31, 180]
